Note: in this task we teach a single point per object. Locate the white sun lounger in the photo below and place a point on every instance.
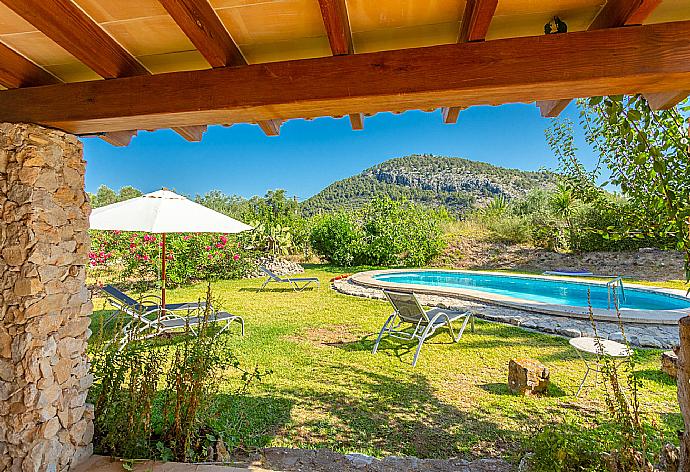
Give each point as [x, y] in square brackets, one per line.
[148, 320]
[409, 313]
[297, 283]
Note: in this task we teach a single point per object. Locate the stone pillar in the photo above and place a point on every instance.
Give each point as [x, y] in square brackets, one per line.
[45, 422]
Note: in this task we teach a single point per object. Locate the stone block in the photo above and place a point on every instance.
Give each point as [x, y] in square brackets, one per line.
[669, 363]
[527, 376]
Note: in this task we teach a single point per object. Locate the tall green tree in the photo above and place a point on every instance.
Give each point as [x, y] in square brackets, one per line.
[646, 155]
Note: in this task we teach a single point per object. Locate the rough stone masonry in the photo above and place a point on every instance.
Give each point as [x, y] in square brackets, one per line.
[45, 422]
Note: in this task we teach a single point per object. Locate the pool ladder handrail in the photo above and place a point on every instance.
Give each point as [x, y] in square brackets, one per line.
[611, 286]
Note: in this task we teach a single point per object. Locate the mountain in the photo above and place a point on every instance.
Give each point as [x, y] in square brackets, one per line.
[431, 181]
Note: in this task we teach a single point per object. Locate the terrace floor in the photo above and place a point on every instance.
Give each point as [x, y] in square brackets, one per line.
[327, 390]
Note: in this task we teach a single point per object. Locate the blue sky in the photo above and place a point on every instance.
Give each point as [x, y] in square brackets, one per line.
[309, 155]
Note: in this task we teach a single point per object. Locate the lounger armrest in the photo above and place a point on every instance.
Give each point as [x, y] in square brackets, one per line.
[151, 296]
[186, 306]
[304, 279]
[170, 315]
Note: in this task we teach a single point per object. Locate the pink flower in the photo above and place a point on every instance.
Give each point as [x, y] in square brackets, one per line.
[236, 257]
[186, 237]
[223, 239]
[208, 248]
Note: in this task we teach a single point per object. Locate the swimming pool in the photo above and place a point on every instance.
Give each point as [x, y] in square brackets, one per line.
[554, 295]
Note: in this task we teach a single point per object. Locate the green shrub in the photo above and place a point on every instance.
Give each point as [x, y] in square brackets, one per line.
[384, 232]
[568, 447]
[399, 233]
[510, 229]
[156, 400]
[336, 237]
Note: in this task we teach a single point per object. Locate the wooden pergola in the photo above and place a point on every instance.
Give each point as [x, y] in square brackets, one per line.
[108, 68]
[186, 64]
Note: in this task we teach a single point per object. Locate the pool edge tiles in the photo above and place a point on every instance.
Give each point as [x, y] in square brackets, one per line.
[601, 314]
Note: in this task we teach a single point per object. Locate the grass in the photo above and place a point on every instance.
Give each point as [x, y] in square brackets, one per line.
[328, 390]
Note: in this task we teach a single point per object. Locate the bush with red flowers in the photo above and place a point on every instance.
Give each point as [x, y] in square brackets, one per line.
[189, 256]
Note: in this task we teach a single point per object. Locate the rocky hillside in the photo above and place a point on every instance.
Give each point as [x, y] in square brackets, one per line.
[429, 180]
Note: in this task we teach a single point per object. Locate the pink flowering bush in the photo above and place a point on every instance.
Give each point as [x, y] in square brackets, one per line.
[190, 257]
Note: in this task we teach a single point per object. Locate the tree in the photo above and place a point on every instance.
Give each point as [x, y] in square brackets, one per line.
[128, 192]
[646, 154]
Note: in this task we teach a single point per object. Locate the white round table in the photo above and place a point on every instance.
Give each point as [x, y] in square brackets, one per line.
[600, 348]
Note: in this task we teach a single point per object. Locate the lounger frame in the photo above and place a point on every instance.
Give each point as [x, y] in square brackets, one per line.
[142, 324]
[410, 313]
[297, 283]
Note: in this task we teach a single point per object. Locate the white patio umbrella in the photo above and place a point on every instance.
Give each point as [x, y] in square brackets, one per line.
[163, 212]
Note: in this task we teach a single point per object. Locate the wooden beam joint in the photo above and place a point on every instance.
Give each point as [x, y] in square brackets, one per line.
[552, 108]
[270, 127]
[450, 114]
[357, 121]
[191, 133]
[665, 100]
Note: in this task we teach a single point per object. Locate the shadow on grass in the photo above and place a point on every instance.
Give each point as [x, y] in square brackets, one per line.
[246, 421]
[657, 376]
[500, 388]
[397, 413]
[276, 290]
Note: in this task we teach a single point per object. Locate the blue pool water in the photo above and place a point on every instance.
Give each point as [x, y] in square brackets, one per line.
[555, 292]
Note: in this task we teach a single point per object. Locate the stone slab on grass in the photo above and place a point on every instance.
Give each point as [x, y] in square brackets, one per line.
[527, 377]
[669, 363]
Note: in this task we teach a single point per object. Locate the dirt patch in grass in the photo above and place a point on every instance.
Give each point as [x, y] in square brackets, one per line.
[328, 336]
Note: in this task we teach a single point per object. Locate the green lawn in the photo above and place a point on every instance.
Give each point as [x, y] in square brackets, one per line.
[328, 390]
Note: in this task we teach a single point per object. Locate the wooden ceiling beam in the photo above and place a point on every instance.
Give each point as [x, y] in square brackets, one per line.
[70, 27]
[357, 121]
[450, 115]
[474, 26]
[191, 133]
[17, 71]
[198, 20]
[639, 59]
[476, 20]
[614, 14]
[665, 100]
[337, 23]
[270, 127]
[617, 13]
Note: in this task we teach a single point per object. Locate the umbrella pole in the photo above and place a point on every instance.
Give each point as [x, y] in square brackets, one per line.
[163, 275]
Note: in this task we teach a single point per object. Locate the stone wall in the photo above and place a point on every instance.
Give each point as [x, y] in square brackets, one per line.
[45, 422]
[646, 263]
